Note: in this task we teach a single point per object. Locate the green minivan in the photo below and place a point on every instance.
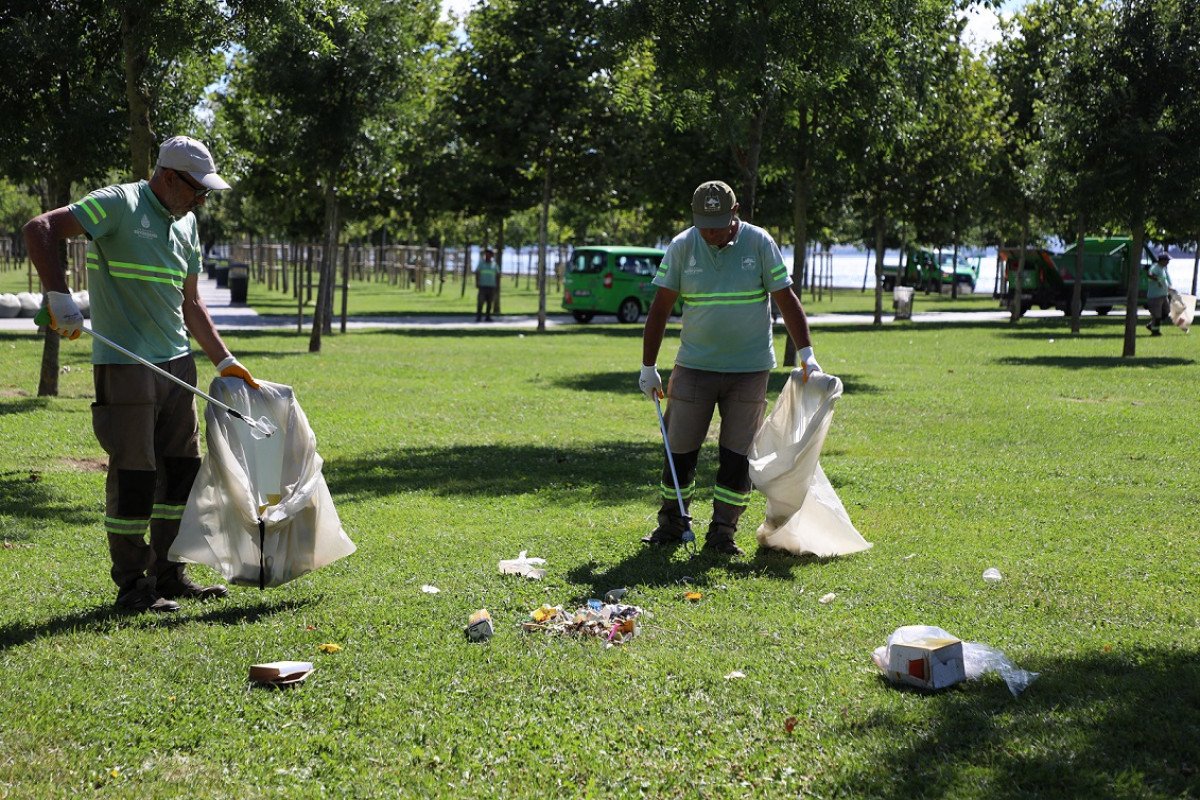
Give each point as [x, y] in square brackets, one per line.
[611, 280]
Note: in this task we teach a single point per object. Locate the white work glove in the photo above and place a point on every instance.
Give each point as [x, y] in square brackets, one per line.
[232, 368]
[650, 382]
[65, 317]
[808, 364]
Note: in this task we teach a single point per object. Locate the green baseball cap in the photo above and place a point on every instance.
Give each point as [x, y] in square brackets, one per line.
[712, 205]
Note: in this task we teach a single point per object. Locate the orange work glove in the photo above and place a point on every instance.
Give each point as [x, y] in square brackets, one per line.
[232, 368]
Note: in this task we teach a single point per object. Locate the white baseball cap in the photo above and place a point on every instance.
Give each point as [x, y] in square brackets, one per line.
[188, 155]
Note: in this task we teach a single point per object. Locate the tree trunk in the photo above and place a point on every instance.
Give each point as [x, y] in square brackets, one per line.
[1018, 293]
[1132, 274]
[499, 265]
[58, 192]
[1195, 265]
[879, 270]
[801, 188]
[543, 235]
[748, 160]
[1077, 289]
[345, 286]
[141, 136]
[325, 281]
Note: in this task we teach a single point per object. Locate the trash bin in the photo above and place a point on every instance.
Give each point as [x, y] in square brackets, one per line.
[239, 283]
[221, 273]
[210, 268]
[902, 300]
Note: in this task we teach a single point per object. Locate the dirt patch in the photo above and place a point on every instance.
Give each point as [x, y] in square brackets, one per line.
[85, 464]
[7, 393]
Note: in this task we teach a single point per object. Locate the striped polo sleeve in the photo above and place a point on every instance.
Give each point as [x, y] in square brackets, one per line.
[101, 211]
[775, 272]
[670, 269]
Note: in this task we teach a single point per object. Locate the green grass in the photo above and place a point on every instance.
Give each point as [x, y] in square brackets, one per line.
[955, 448]
[381, 299]
[376, 298]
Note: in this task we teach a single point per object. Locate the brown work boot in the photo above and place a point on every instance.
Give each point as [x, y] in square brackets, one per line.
[670, 527]
[177, 586]
[142, 596]
[172, 578]
[719, 539]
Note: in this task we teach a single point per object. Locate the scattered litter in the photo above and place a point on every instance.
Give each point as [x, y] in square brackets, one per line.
[737, 673]
[789, 724]
[931, 658]
[614, 622]
[910, 555]
[280, 673]
[692, 596]
[614, 595]
[992, 575]
[523, 566]
[826, 599]
[329, 647]
[430, 589]
[1051, 341]
[479, 626]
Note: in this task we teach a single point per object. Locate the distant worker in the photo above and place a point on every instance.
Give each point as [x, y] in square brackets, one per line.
[1158, 293]
[485, 281]
[143, 262]
[727, 272]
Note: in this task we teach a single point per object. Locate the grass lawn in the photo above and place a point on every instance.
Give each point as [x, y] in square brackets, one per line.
[955, 449]
[373, 298]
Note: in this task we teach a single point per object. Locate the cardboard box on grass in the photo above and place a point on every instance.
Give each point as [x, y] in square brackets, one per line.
[930, 663]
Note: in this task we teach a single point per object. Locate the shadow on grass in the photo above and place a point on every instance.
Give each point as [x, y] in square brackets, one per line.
[664, 566]
[25, 495]
[1091, 362]
[106, 618]
[22, 405]
[626, 382]
[1103, 725]
[611, 471]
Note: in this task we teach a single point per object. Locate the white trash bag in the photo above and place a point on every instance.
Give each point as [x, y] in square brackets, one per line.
[1183, 310]
[804, 514]
[259, 512]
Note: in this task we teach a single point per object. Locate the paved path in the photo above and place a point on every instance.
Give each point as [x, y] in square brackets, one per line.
[231, 317]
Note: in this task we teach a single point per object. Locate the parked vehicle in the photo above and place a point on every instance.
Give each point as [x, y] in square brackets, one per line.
[925, 269]
[611, 280]
[1048, 279]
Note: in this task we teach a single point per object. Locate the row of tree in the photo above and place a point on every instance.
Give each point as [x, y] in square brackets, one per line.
[839, 120]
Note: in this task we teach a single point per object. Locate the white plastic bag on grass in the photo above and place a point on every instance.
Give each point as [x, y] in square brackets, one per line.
[804, 513]
[1183, 310]
[259, 512]
[978, 659]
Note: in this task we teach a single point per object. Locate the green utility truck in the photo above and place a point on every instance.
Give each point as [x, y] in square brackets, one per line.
[927, 270]
[1048, 279]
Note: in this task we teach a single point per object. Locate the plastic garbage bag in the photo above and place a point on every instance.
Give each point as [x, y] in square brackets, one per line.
[523, 566]
[259, 511]
[804, 513]
[1182, 310]
[978, 659]
[10, 306]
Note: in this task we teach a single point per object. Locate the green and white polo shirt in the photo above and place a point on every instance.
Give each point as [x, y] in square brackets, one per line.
[137, 261]
[726, 303]
[487, 274]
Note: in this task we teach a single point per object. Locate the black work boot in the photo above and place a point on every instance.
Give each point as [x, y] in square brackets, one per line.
[142, 596]
[721, 530]
[171, 576]
[670, 526]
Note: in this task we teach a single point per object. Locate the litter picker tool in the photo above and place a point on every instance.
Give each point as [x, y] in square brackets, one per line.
[688, 537]
[260, 428]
